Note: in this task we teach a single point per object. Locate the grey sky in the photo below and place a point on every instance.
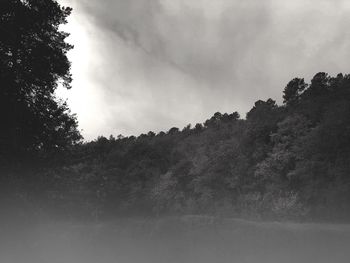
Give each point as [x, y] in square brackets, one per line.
[141, 65]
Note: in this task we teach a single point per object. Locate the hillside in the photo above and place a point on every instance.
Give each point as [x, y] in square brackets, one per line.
[280, 162]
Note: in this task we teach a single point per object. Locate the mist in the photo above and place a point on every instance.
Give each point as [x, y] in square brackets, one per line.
[175, 239]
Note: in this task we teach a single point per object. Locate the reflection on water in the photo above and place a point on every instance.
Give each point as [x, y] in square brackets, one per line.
[185, 239]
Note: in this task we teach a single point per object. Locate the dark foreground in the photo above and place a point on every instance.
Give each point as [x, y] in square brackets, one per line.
[181, 239]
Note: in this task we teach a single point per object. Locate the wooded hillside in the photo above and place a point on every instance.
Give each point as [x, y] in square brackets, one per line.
[290, 161]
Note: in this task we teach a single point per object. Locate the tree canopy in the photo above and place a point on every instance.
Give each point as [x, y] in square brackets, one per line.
[288, 161]
[33, 61]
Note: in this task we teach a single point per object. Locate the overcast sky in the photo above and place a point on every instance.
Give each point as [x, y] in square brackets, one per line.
[141, 65]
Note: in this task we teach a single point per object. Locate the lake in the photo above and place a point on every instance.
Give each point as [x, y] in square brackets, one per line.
[175, 240]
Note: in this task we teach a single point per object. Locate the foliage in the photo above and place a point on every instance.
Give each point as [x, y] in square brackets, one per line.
[33, 60]
[289, 161]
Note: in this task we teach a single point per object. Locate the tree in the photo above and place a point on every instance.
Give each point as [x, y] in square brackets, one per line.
[292, 91]
[276, 171]
[262, 121]
[33, 60]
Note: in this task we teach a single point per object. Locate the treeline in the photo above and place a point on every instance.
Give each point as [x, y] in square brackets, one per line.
[290, 161]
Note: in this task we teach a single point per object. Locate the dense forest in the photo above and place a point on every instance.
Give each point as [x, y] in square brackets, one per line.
[285, 162]
[289, 161]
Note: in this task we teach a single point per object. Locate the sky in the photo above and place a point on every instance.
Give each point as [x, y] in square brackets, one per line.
[149, 65]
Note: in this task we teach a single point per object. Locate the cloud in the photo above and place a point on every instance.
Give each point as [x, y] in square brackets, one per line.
[157, 64]
[186, 36]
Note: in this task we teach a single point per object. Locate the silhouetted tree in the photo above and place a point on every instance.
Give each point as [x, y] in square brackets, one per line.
[33, 60]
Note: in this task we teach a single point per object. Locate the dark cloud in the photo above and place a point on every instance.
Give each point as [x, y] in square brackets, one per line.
[167, 63]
